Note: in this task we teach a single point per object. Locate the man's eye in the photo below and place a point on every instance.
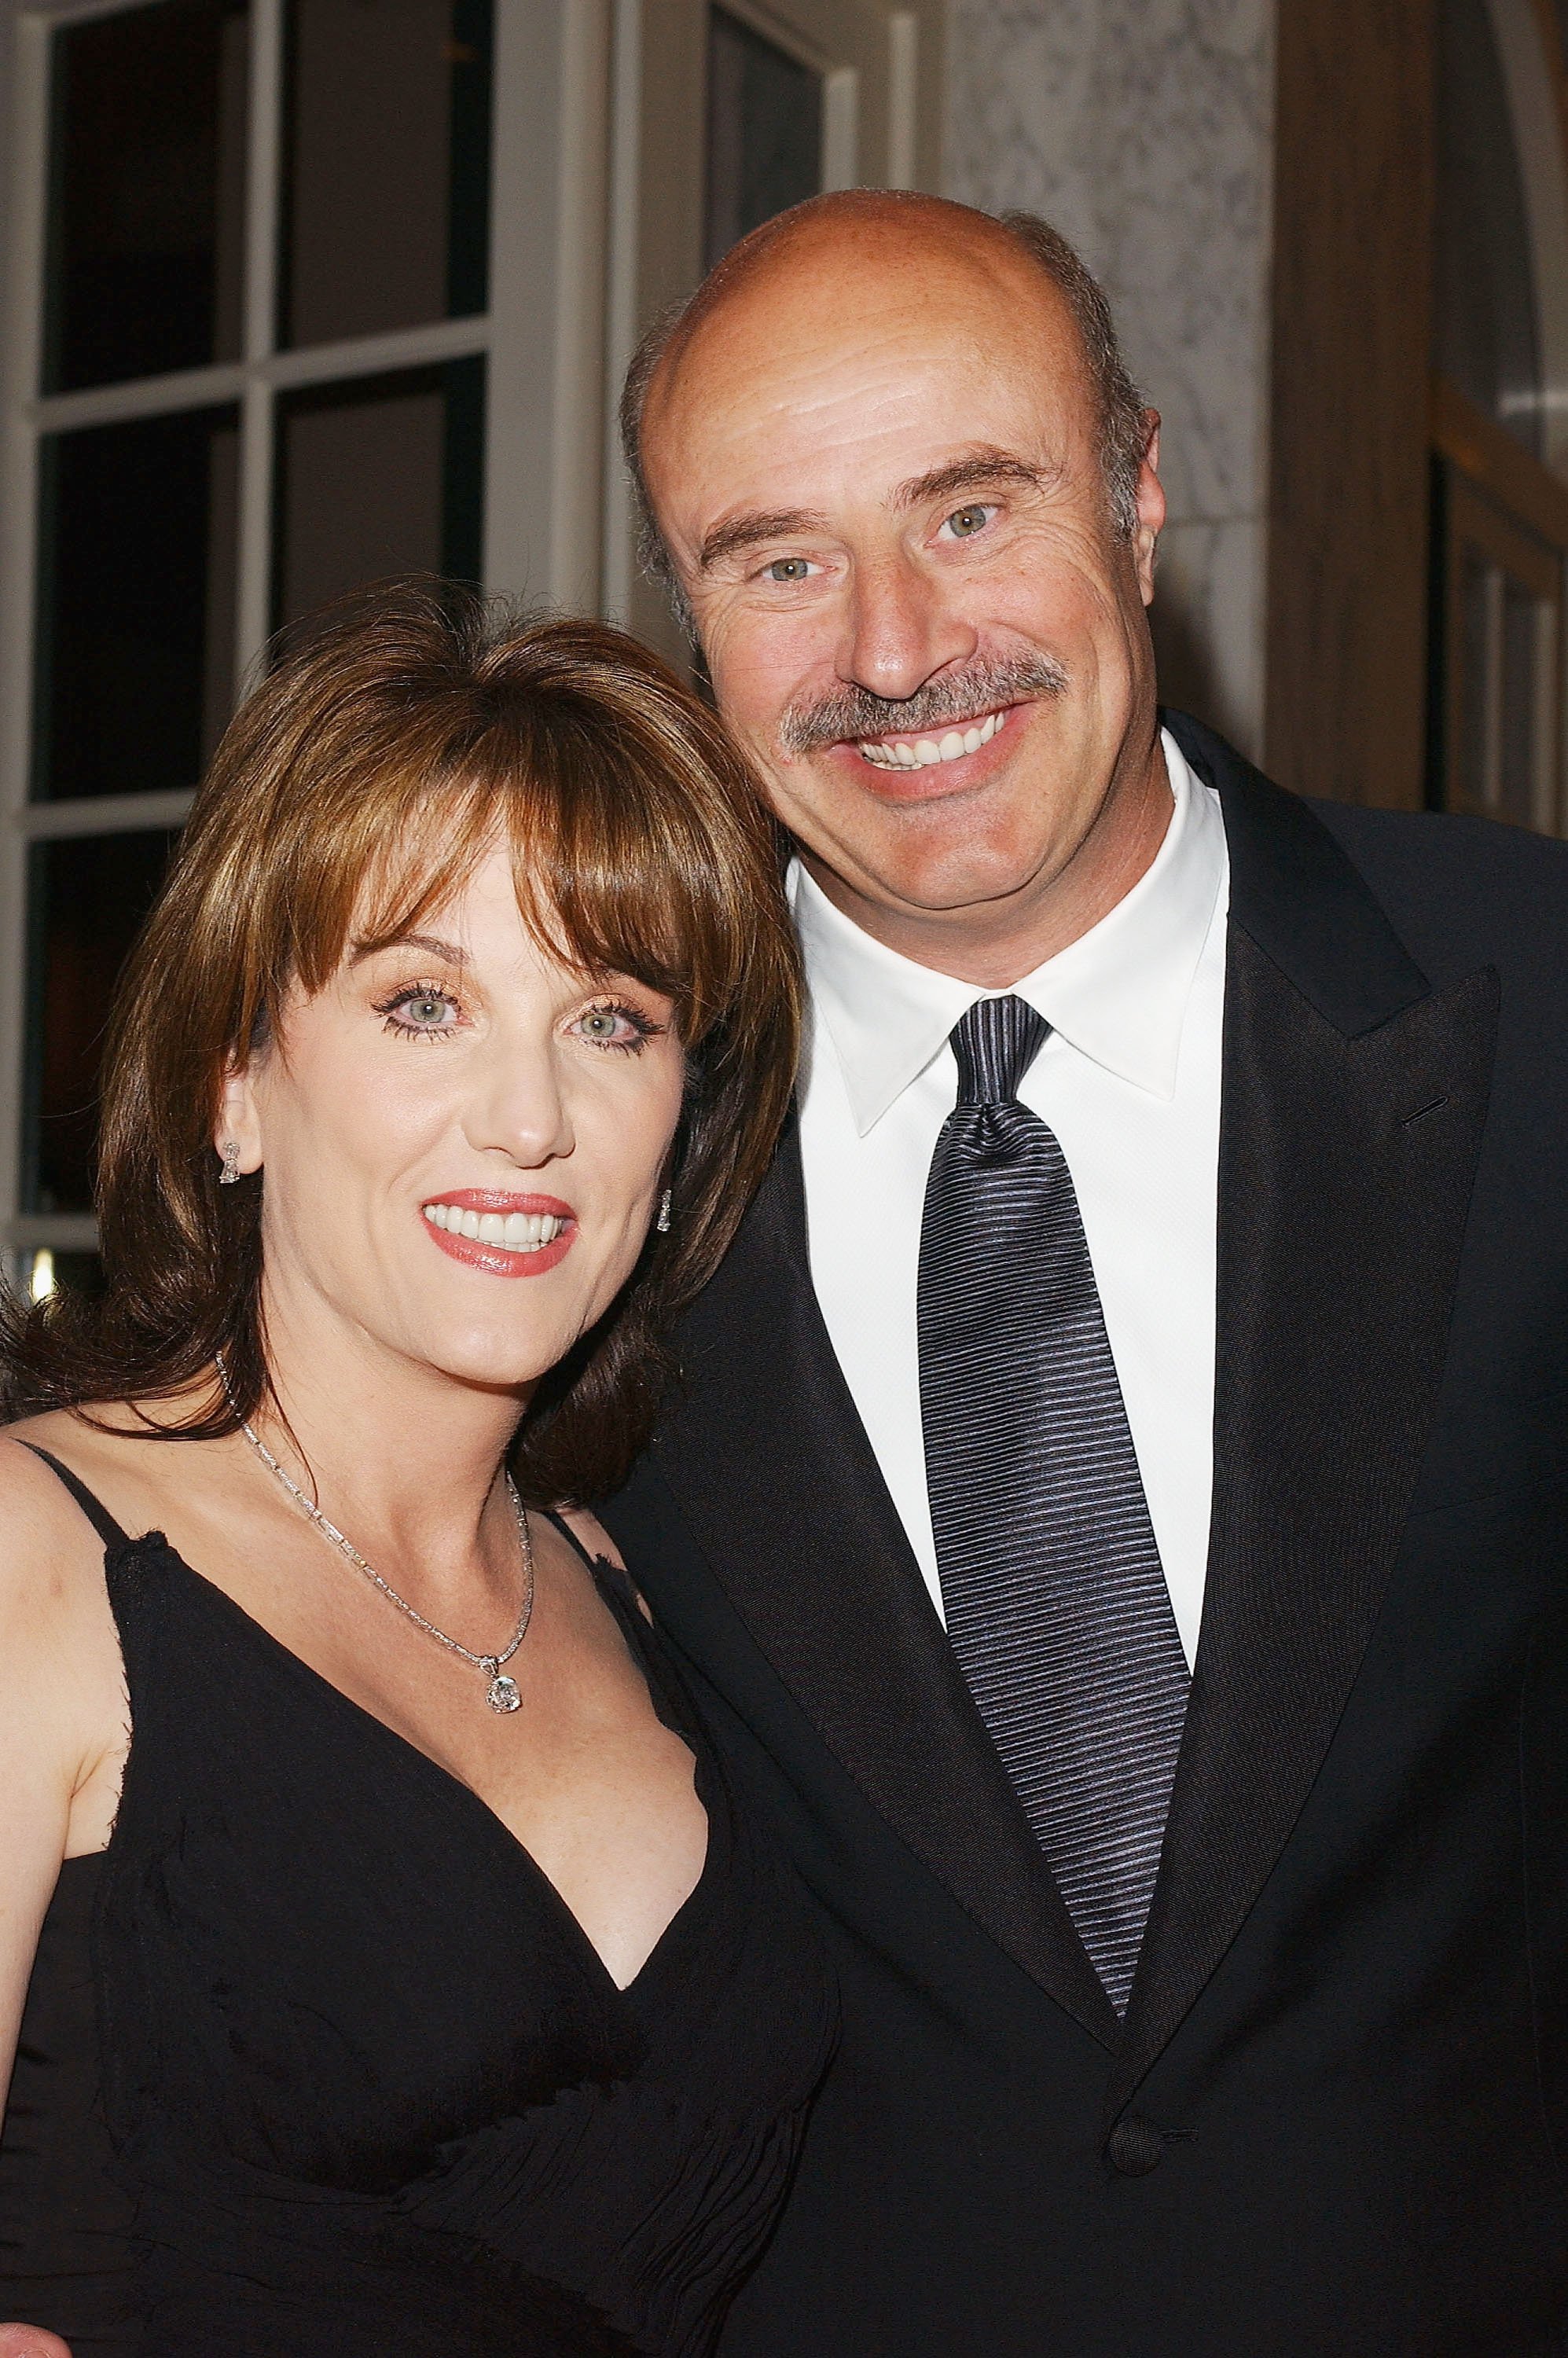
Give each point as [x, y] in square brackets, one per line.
[788, 569]
[963, 523]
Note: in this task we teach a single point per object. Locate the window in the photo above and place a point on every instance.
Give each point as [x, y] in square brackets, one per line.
[1496, 731]
[1500, 545]
[258, 321]
[303, 292]
[764, 132]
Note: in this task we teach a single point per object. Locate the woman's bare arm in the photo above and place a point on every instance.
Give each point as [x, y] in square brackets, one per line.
[62, 1713]
[62, 1735]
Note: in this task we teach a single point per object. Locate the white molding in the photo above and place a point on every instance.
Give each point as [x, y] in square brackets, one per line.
[903, 99]
[263, 153]
[51, 14]
[139, 396]
[841, 127]
[581, 237]
[102, 815]
[51, 1231]
[201, 388]
[263, 171]
[544, 387]
[19, 503]
[618, 556]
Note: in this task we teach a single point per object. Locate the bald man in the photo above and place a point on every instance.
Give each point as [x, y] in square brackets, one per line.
[1117, 1508]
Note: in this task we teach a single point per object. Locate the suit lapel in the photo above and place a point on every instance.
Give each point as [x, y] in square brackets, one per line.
[1354, 1101]
[766, 1441]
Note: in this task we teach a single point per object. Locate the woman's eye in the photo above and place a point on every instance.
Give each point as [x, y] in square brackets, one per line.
[963, 523]
[614, 1027]
[427, 1011]
[787, 568]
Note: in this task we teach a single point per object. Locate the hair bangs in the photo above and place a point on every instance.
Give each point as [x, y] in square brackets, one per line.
[409, 733]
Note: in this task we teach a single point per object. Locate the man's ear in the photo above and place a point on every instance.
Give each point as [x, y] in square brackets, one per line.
[238, 1133]
[1150, 507]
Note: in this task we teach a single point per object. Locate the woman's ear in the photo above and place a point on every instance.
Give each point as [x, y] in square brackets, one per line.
[237, 1136]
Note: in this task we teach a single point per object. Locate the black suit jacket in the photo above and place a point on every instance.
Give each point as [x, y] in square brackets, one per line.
[1335, 2120]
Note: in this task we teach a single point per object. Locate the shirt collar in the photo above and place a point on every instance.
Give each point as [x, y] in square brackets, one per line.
[1118, 994]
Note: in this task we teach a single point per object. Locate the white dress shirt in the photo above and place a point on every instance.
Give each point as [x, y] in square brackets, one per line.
[1130, 1082]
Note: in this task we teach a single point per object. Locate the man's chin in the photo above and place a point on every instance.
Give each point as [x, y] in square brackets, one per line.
[912, 882]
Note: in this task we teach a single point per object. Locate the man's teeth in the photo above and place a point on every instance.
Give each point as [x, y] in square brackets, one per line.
[518, 1231]
[920, 752]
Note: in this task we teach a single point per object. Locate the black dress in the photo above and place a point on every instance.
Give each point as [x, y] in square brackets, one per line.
[370, 2091]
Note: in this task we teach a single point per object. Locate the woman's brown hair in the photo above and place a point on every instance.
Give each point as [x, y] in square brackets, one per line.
[357, 787]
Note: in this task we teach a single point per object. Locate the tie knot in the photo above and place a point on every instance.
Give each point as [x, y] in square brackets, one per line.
[995, 1045]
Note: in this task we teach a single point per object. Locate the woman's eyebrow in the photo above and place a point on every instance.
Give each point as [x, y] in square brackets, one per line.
[448, 952]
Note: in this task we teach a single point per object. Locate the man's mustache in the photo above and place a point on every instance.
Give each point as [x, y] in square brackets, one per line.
[853, 713]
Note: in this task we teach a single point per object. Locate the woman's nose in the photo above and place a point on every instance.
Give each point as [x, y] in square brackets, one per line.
[519, 1109]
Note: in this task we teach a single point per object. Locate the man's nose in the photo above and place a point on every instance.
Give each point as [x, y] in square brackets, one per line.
[519, 1108]
[901, 629]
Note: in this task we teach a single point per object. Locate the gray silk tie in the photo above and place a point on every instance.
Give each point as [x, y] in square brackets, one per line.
[1055, 1600]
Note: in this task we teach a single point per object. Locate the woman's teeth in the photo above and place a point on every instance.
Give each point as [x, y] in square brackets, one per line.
[518, 1231]
[919, 753]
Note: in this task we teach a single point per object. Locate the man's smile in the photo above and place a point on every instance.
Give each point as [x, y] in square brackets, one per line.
[925, 752]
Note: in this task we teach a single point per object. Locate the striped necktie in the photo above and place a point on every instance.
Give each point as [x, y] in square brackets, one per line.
[1055, 1600]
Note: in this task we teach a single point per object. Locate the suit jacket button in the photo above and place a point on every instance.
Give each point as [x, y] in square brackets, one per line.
[1135, 2147]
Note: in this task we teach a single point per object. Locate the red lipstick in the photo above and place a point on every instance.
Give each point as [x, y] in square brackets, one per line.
[502, 1260]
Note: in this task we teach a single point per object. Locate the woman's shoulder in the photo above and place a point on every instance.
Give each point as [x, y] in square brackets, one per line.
[38, 1511]
[61, 1690]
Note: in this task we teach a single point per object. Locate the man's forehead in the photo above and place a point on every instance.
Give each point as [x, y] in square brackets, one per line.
[905, 383]
[841, 298]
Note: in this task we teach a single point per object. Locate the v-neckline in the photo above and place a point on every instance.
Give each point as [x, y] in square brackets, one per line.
[424, 1763]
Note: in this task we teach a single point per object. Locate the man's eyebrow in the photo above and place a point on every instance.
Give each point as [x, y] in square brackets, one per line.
[742, 531]
[448, 952]
[973, 473]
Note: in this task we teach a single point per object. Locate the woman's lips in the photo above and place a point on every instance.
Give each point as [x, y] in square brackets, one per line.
[505, 1235]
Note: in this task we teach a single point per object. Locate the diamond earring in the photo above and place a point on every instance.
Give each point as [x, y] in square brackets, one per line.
[663, 1222]
[231, 1171]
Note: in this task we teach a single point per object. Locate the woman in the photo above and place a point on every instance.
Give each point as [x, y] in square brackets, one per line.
[445, 2001]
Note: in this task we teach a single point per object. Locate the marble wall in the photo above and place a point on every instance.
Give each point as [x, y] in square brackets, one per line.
[1143, 130]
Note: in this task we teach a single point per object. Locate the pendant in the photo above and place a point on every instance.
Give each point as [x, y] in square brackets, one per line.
[504, 1695]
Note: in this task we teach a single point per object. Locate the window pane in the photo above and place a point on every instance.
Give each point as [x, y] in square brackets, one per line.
[1519, 702]
[135, 603]
[382, 475]
[86, 897]
[1477, 599]
[1486, 335]
[387, 165]
[146, 192]
[764, 131]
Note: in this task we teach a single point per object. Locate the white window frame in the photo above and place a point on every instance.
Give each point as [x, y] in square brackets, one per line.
[543, 341]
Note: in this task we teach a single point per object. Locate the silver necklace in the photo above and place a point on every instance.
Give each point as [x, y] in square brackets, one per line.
[501, 1693]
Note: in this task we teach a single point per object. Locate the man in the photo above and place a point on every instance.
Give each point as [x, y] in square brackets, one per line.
[1117, 1503]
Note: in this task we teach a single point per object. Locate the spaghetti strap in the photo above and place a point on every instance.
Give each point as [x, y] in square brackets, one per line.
[96, 1512]
[559, 1524]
